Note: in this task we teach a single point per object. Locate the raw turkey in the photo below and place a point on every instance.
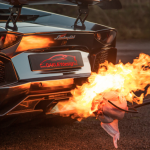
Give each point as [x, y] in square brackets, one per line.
[109, 114]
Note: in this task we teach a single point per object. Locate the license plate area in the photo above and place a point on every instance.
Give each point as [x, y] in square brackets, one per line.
[54, 61]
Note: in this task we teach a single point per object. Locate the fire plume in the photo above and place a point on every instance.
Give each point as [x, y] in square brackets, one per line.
[33, 42]
[123, 78]
[115, 84]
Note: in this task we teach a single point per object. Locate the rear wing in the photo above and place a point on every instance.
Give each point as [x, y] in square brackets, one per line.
[83, 10]
[104, 4]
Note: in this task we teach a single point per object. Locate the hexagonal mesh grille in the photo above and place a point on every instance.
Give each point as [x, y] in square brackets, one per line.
[100, 58]
[2, 72]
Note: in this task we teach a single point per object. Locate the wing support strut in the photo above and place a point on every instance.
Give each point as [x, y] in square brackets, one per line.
[13, 10]
[83, 10]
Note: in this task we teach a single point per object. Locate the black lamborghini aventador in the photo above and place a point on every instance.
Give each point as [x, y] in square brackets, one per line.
[44, 55]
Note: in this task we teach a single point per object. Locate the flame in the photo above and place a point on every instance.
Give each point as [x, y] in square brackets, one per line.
[123, 78]
[33, 42]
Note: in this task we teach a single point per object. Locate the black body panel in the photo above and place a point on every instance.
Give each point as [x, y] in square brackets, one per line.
[36, 20]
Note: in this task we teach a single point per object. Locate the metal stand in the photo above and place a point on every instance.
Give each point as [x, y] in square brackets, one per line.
[83, 10]
[13, 10]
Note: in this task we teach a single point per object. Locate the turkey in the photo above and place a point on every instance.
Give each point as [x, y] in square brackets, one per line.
[109, 114]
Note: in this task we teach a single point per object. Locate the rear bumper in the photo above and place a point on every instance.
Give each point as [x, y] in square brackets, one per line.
[24, 97]
[15, 94]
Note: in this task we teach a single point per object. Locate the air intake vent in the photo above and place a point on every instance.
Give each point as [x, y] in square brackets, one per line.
[2, 72]
[100, 58]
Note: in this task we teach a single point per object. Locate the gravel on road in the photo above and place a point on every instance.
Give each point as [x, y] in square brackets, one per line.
[84, 135]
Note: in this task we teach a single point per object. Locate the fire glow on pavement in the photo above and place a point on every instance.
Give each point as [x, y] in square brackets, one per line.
[116, 83]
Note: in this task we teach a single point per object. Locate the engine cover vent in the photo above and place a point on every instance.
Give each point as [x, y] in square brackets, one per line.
[2, 72]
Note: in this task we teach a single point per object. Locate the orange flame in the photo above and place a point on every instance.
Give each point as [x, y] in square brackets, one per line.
[33, 42]
[123, 78]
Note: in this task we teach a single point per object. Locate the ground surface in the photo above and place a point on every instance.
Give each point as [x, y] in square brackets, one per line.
[128, 50]
[87, 134]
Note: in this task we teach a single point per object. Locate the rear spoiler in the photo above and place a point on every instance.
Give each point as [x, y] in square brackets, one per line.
[104, 4]
[83, 8]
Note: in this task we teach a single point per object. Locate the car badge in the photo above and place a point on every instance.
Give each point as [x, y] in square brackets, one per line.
[64, 37]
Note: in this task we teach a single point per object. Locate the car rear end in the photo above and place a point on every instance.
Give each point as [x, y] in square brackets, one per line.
[40, 64]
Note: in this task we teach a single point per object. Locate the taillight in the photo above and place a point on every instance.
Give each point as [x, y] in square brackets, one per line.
[98, 36]
[111, 37]
[2, 40]
[8, 40]
[106, 37]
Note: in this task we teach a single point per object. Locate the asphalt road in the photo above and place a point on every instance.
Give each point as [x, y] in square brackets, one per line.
[129, 50]
[87, 134]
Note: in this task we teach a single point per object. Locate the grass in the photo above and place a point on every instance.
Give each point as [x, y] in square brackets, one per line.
[131, 22]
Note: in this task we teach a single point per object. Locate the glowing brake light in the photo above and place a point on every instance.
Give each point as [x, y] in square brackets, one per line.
[2, 39]
[8, 40]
